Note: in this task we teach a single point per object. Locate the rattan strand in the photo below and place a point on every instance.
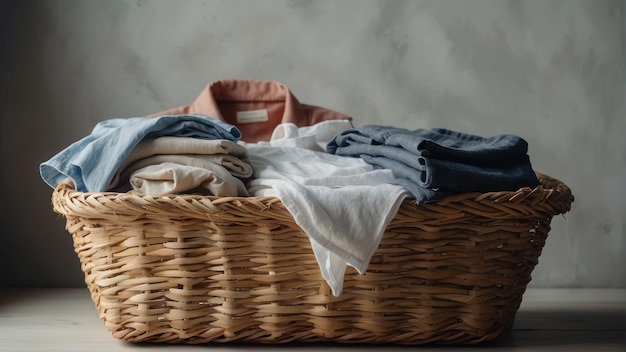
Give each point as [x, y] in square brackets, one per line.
[194, 269]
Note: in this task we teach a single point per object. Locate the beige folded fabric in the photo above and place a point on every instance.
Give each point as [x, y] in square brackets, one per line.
[223, 152]
[232, 165]
[170, 177]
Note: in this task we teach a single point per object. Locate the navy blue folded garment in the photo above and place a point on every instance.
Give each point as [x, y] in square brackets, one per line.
[433, 173]
[436, 143]
[431, 164]
[92, 161]
[508, 175]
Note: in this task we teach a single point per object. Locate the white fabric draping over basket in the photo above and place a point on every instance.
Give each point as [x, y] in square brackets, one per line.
[342, 203]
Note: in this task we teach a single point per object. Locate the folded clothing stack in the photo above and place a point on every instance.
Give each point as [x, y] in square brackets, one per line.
[185, 165]
[434, 163]
[93, 162]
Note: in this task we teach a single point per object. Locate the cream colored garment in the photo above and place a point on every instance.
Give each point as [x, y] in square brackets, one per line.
[230, 155]
[210, 163]
[170, 177]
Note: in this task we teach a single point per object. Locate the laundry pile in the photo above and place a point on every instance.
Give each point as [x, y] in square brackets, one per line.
[244, 138]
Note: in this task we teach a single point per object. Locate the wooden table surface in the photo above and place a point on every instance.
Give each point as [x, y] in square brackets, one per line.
[591, 320]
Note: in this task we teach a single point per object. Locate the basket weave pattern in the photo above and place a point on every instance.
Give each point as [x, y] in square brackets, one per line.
[195, 269]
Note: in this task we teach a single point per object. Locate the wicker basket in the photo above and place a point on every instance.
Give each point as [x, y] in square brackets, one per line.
[195, 269]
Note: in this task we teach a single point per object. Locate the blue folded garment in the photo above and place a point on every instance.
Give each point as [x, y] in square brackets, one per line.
[92, 161]
[438, 143]
[438, 162]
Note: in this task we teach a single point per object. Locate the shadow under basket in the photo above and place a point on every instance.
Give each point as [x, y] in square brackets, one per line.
[196, 269]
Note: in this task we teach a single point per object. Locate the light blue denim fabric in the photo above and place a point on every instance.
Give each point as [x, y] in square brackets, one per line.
[408, 178]
[92, 161]
[399, 169]
[398, 154]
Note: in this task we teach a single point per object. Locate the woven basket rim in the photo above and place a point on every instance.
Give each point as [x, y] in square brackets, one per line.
[67, 201]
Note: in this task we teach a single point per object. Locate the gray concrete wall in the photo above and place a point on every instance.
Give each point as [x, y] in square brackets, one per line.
[549, 71]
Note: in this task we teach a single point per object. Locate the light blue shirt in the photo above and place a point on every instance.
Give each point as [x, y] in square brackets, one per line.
[92, 161]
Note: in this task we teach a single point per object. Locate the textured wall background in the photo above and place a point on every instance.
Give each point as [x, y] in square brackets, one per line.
[549, 71]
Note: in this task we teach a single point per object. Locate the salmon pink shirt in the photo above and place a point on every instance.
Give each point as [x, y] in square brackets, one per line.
[256, 107]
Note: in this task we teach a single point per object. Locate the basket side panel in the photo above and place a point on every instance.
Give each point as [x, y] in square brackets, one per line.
[196, 270]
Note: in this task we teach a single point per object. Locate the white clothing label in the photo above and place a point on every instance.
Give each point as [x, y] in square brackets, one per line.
[252, 116]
